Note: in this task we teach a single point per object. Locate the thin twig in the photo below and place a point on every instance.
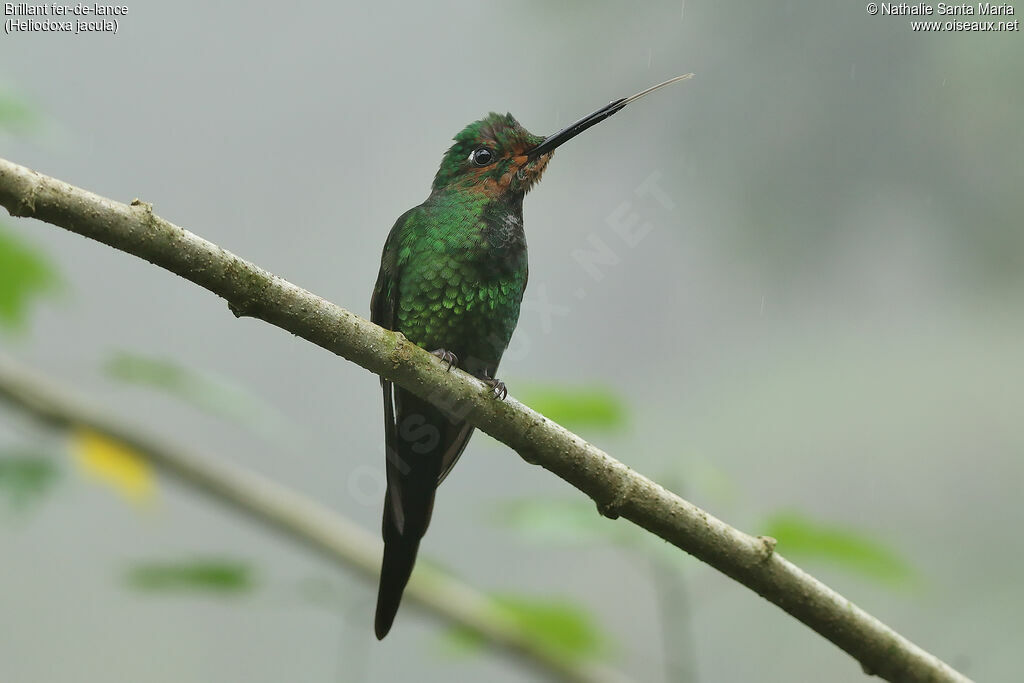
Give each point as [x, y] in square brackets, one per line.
[617, 490]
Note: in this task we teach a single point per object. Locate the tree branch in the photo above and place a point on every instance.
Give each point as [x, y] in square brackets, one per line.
[296, 517]
[617, 490]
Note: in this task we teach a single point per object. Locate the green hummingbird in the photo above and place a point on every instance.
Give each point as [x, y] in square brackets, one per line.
[452, 277]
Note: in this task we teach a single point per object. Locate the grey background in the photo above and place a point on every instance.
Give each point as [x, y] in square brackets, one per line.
[828, 320]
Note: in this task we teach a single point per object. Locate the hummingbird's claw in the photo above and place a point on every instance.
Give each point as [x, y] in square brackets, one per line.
[500, 391]
[496, 385]
[446, 356]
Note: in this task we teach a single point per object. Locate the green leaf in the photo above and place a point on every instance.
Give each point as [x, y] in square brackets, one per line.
[577, 523]
[798, 536]
[25, 476]
[565, 628]
[561, 624]
[573, 522]
[212, 395]
[25, 273]
[15, 115]
[204, 575]
[593, 406]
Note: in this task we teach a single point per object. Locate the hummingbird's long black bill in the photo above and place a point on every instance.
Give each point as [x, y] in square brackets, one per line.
[571, 131]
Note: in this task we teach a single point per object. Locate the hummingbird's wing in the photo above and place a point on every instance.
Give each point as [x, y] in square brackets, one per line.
[383, 304]
[456, 444]
[382, 312]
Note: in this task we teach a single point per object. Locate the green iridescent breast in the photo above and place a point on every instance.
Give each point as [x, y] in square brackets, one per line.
[461, 272]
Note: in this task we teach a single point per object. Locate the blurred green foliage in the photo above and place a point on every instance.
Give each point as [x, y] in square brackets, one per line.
[803, 538]
[26, 476]
[575, 407]
[209, 394]
[25, 274]
[561, 522]
[16, 115]
[569, 523]
[564, 627]
[576, 522]
[210, 575]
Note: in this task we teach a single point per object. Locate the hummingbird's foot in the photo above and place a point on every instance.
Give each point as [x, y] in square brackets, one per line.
[496, 385]
[446, 356]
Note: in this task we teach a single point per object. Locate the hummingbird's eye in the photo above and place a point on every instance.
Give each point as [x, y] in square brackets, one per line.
[481, 156]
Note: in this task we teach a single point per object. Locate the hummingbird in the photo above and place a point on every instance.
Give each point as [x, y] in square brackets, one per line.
[452, 276]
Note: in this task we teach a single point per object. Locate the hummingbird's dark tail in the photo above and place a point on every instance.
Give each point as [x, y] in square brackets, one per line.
[399, 559]
[422, 445]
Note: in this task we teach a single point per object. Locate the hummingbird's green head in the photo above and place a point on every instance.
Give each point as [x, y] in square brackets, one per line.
[490, 157]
